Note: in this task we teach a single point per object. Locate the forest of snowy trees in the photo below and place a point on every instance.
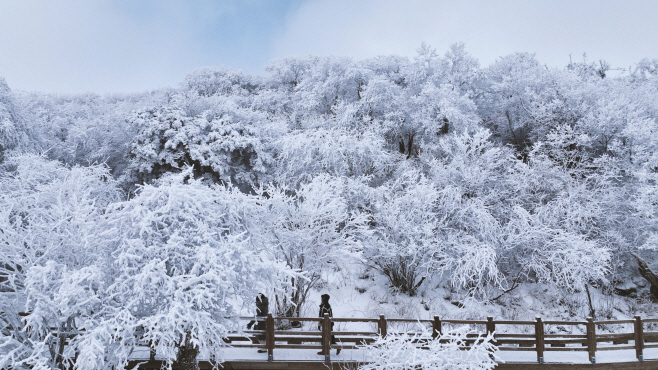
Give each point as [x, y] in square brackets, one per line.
[165, 213]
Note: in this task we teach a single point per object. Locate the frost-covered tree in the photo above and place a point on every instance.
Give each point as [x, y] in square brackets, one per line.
[217, 81]
[417, 102]
[50, 240]
[557, 255]
[476, 181]
[571, 216]
[66, 299]
[521, 99]
[49, 212]
[222, 145]
[445, 215]
[181, 265]
[412, 351]
[405, 232]
[335, 152]
[13, 134]
[83, 129]
[311, 231]
[313, 86]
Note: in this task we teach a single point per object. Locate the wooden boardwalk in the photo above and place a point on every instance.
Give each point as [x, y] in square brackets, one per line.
[568, 344]
[538, 336]
[523, 345]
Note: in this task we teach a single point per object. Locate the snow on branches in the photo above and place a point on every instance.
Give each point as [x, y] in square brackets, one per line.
[310, 231]
[182, 262]
[404, 351]
[220, 144]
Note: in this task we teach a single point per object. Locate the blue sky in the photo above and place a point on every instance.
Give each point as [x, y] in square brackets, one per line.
[73, 46]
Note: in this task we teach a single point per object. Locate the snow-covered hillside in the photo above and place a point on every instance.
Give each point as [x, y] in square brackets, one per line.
[409, 188]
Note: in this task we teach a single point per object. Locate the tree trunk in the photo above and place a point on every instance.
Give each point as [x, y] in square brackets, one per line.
[410, 145]
[647, 274]
[65, 329]
[592, 311]
[446, 126]
[187, 356]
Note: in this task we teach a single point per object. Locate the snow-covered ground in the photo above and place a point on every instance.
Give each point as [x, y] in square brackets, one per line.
[357, 292]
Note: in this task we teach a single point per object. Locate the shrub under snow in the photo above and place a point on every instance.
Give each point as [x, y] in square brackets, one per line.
[416, 351]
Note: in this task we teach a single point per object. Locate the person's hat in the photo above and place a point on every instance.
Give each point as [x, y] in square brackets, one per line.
[325, 297]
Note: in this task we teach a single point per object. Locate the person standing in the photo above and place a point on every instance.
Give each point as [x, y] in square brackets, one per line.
[325, 308]
[262, 309]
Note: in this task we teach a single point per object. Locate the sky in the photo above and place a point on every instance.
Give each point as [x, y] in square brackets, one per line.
[103, 46]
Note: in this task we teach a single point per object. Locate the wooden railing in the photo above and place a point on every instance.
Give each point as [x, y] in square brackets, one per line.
[534, 338]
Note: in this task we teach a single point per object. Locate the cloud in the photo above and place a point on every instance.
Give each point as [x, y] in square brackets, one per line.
[621, 33]
[106, 46]
[82, 45]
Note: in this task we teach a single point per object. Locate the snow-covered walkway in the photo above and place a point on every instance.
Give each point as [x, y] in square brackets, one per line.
[358, 355]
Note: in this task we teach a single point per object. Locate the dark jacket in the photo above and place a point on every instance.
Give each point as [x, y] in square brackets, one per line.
[325, 308]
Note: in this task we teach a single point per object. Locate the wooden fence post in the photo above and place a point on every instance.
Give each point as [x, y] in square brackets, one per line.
[491, 328]
[436, 327]
[269, 337]
[639, 338]
[491, 325]
[326, 337]
[382, 326]
[591, 339]
[539, 338]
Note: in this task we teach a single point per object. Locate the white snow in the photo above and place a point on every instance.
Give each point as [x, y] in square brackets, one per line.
[359, 355]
